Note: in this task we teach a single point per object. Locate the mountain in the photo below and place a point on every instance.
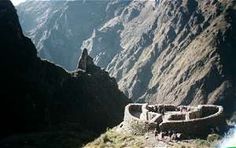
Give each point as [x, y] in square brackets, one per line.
[58, 28]
[178, 52]
[38, 96]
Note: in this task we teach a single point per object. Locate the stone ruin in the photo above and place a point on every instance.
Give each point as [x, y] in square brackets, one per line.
[181, 121]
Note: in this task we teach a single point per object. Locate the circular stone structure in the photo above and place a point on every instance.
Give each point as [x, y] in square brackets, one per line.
[188, 120]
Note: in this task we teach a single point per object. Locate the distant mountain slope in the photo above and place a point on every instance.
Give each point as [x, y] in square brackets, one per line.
[168, 51]
[39, 96]
[58, 28]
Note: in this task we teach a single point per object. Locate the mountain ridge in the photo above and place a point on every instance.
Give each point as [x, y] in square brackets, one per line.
[177, 52]
[38, 96]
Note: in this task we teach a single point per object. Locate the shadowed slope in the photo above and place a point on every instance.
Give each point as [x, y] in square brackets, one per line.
[39, 96]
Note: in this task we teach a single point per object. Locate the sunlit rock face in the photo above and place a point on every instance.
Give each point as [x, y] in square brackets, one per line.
[58, 27]
[178, 52]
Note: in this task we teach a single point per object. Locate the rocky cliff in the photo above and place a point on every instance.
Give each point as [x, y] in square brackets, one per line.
[38, 96]
[167, 51]
[58, 28]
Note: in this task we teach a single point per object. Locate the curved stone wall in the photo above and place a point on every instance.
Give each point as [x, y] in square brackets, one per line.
[198, 120]
[133, 124]
[197, 126]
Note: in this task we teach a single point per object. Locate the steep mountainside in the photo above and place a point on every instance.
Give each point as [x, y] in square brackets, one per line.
[168, 51]
[58, 28]
[39, 96]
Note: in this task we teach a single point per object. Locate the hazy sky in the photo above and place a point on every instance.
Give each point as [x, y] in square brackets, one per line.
[16, 2]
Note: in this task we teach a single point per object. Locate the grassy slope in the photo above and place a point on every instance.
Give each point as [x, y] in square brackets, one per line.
[114, 139]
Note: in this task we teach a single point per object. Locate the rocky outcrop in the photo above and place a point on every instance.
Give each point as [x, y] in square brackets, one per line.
[165, 51]
[85, 60]
[86, 63]
[37, 95]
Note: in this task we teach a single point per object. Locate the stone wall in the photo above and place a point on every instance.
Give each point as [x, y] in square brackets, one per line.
[198, 126]
[198, 121]
[133, 124]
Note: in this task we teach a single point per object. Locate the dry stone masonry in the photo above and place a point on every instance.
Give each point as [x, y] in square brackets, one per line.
[183, 120]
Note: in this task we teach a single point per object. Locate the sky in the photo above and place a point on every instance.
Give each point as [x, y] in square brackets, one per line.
[16, 2]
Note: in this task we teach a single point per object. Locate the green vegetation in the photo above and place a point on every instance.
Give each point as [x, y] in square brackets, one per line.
[213, 138]
[116, 140]
[210, 142]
